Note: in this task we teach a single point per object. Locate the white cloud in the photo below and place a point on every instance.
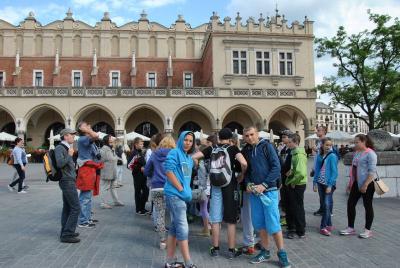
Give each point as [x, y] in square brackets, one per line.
[14, 15]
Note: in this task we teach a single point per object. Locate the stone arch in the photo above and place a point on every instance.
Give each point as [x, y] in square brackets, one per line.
[241, 115]
[197, 114]
[6, 119]
[288, 117]
[96, 113]
[39, 119]
[144, 114]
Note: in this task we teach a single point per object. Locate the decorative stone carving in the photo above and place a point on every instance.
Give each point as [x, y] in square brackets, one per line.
[381, 139]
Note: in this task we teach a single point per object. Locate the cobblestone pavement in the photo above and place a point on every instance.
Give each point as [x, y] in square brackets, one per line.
[29, 226]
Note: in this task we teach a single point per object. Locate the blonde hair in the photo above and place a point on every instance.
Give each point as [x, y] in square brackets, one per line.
[167, 142]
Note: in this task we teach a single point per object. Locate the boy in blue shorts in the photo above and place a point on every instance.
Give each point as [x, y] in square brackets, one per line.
[263, 182]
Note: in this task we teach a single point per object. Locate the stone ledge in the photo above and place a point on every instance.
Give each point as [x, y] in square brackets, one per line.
[384, 158]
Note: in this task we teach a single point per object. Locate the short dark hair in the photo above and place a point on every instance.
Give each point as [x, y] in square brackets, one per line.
[137, 140]
[17, 140]
[324, 128]
[250, 127]
[295, 138]
[213, 139]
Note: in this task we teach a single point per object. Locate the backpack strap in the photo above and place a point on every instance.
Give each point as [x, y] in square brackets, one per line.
[325, 157]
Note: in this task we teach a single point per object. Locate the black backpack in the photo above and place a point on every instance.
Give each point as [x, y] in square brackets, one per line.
[220, 167]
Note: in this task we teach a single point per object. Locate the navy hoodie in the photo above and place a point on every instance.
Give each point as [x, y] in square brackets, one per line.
[155, 168]
[265, 165]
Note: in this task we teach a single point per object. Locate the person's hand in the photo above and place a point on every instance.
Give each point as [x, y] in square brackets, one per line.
[23, 168]
[328, 190]
[71, 151]
[142, 169]
[315, 188]
[363, 189]
[288, 173]
[260, 188]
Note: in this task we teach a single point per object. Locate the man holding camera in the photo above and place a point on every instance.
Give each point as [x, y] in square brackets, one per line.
[88, 173]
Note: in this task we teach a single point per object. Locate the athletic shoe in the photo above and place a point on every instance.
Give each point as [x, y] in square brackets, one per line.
[11, 189]
[234, 253]
[26, 187]
[283, 259]
[258, 246]
[141, 213]
[325, 231]
[119, 204]
[163, 245]
[366, 234]
[348, 231]
[69, 239]
[192, 266]
[93, 221]
[87, 225]
[290, 235]
[301, 236]
[22, 192]
[248, 250]
[175, 265]
[318, 213]
[105, 206]
[146, 212]
[330, 228]
[214, 252]
[263, 256]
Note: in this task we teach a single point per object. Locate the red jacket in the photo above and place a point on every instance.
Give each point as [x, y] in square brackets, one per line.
[87, 179]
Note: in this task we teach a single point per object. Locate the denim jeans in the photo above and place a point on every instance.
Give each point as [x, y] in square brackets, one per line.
[179, 227]
[327, 205]
[85, 200]
[21, 178]
[71, 207]
[248, 230]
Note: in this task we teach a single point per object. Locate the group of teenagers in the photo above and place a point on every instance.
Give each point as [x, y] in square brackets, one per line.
[265, 186]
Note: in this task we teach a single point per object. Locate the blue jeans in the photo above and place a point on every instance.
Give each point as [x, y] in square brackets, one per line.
[85, 200]
[248, 230]
[179, 227]
[327, 205]
[71, 207]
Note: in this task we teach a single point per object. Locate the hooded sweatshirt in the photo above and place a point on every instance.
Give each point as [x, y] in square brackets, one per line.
[331, 169]
[181, 164]
[299, 167]
[155, 168]
[265, 165]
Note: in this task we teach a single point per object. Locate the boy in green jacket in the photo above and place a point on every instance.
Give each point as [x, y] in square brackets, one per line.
[296, 184]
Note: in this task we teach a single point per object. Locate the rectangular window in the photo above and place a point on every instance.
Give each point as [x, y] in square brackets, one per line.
[286, 63]
[37, 78]
[188, 77]
[115, 78]
[76, 78]
[239, 62]
[2, 78]
[263, 62]
[151, 80]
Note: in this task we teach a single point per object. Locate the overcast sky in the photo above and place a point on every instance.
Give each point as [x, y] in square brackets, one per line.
[328, 15]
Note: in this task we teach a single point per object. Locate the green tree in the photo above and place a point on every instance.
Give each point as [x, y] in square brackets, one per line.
[368, 66]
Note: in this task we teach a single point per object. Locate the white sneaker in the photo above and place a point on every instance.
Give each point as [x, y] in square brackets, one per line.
[366, 234]
[11, 189]
[22, 192]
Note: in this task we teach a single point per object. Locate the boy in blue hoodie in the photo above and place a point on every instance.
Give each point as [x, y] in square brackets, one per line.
[263, 182]
[178, 167]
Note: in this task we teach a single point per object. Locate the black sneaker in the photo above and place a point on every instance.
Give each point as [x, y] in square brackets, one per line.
[94, 221]
[175, 265]
[214, 252]
[26, 187]
[234, 253]
[290, 235]
[69, 239]
[75, 234]
[141, 213]
[318, 213]
[301, 236]
[87, 225]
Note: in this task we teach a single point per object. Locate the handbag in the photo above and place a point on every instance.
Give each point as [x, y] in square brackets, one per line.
[198, 195]
[380, 187]
[10, 160]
